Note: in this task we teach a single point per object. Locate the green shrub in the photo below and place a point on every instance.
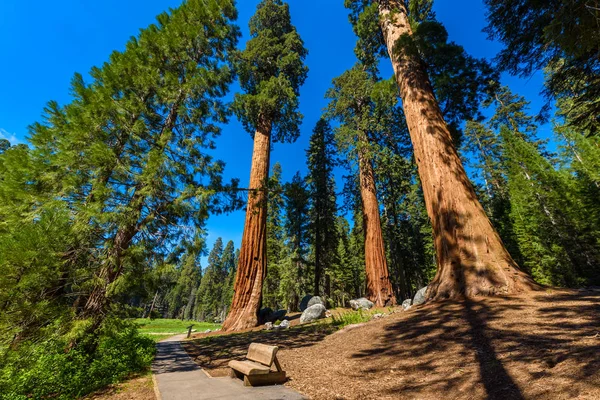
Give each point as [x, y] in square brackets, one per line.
[349, 318]
[51, 370]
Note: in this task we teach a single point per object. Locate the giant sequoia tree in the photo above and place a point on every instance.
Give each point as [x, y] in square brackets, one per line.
[271, 71]
[366, 110]
[471, 256]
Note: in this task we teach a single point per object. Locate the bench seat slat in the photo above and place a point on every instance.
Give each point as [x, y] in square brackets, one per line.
[249, 367]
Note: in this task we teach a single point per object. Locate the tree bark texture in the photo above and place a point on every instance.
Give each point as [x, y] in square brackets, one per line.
[379, 286]
[252, 265]
[471, 257]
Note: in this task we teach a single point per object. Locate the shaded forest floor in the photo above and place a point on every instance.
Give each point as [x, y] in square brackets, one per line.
[542, 346]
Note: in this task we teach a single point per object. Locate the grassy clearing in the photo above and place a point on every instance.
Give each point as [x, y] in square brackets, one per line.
[159, 329]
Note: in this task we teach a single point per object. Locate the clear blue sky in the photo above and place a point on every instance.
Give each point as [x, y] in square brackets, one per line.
[43, 43]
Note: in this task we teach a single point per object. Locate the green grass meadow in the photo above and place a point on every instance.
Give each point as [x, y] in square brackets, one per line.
[161, 328]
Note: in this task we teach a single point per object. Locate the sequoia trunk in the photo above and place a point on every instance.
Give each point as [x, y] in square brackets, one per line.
[379, 287]
[252, 265]
[471, 257]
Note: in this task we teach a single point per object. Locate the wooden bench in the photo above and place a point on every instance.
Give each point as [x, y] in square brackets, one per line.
[256, 369]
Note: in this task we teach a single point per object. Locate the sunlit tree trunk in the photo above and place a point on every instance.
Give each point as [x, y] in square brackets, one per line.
[379, 287]
[252, 265]
[471, 257]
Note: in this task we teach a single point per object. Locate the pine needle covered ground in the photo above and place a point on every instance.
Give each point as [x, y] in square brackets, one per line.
[542, 346]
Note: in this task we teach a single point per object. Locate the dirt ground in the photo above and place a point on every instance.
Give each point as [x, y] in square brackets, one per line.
[136, 388]
[542, 346]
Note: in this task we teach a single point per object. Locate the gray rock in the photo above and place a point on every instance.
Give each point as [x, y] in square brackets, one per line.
[378, 315]
[420, 297]
[313, 313]
[406, 303]
[310, 300]
[363, 303]
[269, 326]
[283, 325]
[207, 331]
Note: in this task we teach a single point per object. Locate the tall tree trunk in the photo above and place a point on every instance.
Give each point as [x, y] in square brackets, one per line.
[379, 286]
[318, 253]
[471, 257]
[252, 265]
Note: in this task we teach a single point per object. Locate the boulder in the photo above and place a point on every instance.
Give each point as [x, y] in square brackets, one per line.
[283, 325]
[309, 300]
[361, 303]
[269, 326]
[420, 297]
[313, 313]
[406, 303]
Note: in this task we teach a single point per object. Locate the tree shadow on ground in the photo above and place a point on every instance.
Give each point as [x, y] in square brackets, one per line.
[501, 348]
[215, 352]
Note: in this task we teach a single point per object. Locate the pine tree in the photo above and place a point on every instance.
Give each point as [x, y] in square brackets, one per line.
[323, 206]
[128, 154]
[210, 292]
[560, 36]
[228, 261]
[296, 273]
[275, 239]
[271, 71]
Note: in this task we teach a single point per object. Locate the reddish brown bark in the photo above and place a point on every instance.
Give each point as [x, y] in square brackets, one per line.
[252, 265]
[472, 259]
[379, 287]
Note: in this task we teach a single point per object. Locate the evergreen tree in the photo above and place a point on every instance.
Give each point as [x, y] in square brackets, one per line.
[128, 154]
[275, 239]
[323, 206]
[468, 247]
[210, 293]
[561, 36]
[366, 110]
[228, 261]
[271, 71]
[298, 280]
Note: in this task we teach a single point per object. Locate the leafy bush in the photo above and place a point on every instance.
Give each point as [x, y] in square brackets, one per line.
[52, 370]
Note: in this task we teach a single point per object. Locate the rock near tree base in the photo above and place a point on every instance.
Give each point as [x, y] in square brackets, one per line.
[362, 303]
[313, 313]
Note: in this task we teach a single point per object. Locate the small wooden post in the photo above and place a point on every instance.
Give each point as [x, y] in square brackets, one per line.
[189, 331]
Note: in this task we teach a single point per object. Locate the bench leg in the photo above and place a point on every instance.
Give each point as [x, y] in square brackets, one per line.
[271, 378]
[235, 374]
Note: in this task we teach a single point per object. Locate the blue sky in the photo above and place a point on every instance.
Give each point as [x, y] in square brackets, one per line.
[43, 43]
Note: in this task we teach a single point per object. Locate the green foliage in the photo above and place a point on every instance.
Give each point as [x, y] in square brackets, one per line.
[117, 185]
[271, 70]
[211, 298]
[561, 36]
[321, 156]
[350, 318]
[49, 369]
[543, 212]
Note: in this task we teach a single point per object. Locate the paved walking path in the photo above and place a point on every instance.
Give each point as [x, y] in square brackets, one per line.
[179, 378]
